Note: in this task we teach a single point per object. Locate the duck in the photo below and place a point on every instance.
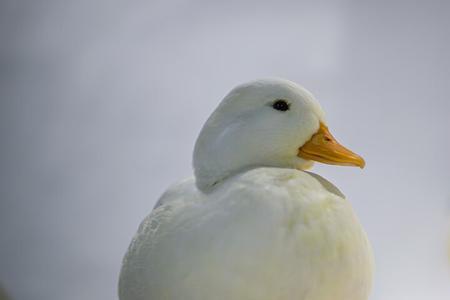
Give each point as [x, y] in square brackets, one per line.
[253, 222]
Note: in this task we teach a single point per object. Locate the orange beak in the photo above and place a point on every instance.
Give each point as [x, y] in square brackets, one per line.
[324, 148]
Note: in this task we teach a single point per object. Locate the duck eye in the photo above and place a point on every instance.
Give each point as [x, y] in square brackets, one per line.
[280, 105]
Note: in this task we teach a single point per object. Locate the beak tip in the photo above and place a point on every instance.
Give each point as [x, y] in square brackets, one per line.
[362, 164]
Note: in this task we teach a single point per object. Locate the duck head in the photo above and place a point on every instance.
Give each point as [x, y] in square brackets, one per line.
[266, 123]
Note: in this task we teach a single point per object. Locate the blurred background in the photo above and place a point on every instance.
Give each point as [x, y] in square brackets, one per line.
[101, 103]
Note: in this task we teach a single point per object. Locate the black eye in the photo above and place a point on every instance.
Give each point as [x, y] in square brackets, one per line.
[281, 105]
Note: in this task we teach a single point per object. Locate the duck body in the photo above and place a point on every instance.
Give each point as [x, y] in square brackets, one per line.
[252, 224]
[262, 234]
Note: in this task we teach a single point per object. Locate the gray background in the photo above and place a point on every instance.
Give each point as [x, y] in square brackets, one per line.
[101, 102]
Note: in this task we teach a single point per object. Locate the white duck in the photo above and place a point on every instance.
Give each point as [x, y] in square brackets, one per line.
[252, 224]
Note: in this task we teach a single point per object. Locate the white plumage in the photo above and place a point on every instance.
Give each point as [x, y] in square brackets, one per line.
[252, 224]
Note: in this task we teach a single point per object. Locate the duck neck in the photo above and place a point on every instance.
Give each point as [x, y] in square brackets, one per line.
[211, 167]
[214, 165]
